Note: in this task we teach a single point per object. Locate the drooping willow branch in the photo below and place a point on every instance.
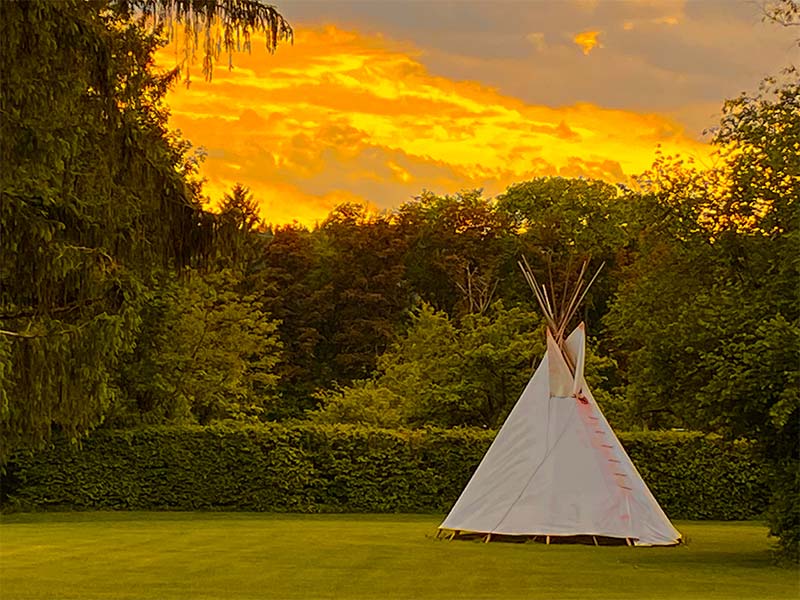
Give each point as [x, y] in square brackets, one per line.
[215, 26]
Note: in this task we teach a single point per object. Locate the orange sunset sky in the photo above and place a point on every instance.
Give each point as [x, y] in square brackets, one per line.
[378, 101]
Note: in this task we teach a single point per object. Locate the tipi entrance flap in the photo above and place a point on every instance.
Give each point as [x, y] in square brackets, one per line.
[559, 373]
[575, 346]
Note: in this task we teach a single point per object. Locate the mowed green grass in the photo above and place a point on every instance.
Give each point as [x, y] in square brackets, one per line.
[243, 555]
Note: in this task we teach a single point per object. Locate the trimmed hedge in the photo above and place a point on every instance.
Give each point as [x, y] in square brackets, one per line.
[340, 468]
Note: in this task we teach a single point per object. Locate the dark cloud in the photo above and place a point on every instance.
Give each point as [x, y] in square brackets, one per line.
[666, 56]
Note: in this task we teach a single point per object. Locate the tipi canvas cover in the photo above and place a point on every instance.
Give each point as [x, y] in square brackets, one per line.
[557, 469]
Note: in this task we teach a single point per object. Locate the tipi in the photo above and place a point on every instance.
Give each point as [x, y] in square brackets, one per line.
[556, 470]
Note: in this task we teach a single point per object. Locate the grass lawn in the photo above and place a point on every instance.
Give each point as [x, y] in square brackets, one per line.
[244, 555]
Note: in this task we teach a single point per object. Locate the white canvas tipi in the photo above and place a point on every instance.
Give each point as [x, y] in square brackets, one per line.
[556, 469]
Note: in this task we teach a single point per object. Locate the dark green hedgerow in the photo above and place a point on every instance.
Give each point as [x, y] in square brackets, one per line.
[338, 468]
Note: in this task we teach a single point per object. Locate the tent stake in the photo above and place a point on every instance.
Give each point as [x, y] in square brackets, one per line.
[548, 540]
[488, 538]
[595, 540]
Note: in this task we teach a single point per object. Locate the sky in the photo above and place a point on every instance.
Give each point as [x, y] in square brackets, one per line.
[377, 101]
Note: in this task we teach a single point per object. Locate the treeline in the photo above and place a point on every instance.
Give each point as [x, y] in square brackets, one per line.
[124, 302]
[422, 307]
[420, 316]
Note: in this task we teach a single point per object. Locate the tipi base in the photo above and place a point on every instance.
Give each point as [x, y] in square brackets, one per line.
[589, 540]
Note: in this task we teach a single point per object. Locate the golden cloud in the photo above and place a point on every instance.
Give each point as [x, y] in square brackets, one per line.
[341, 116]
[587, 40]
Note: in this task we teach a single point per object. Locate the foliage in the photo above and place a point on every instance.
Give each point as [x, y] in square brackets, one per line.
[98, 197]
[341, 296]
[221, 24]
[717, 276]
[446, 373]
[562, 222]
[95, 195]
[240, 236]
[454, 241]
[674, 465]
[205, 353]
[286, 289]
[707, 318]
[361, 278]
[784, 509]
[346, 468]
[343, 292]
[365, 402]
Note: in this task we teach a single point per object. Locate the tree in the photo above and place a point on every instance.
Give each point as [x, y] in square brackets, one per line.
[562, 222]
[449, 373]
[364, 402]
[240, 235]
[453, 242]
[361, 270]
[223, 25]
[468, 373]
[717, 266]
[708, 315]
[205, 353]
[97, 197]
[761, 135]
